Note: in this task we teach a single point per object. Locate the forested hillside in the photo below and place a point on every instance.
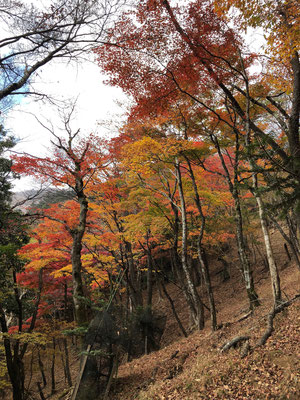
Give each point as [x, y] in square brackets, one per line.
[185, 224]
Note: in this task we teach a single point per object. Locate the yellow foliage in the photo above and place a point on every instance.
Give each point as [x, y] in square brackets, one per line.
[280, 21]
[30, 338]
[147, 155]
[63, 271]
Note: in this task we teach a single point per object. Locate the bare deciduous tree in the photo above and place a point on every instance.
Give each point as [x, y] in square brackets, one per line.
[33, 36]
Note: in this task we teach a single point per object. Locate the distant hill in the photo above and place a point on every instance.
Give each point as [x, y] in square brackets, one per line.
[40, 199]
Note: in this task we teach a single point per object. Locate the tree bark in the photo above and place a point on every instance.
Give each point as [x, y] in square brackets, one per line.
[201, 252]
[81, 314]
[53, 368]
[244, 260]
[14, 364]
[67, 366]
[293, 131]
[41, 366]
[275, 280]
[198, 314]
[288, 240]
[243, 257]
[173, 308]
[132, 278]
[176, 262]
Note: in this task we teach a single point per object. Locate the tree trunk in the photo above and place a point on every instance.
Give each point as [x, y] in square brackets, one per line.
[293, 232]
[293, 131]
[67, 365]
[132, 278]
[53, 368]
[271, 262]
[233, 187]
[149, 298]
[41, 366]
[244, 261]
[201, 253]
[198, 314]
[81, 314]
[14, 364]
[149, 279]
[275, 280]
[289, 241]
[173, 308]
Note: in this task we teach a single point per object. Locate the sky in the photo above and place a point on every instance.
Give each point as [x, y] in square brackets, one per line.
[66, 82]
[95, 104]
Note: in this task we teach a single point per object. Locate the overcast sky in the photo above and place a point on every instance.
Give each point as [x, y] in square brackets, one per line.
[95, 103]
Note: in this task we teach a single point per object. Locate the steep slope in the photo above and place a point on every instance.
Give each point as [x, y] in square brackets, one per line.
[195, 368]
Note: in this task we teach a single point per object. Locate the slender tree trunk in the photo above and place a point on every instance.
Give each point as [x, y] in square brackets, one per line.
[288, 240]
[201, 253]
[198, 315]
[173, 308]
[18, 301]
[180, 278]
[53, 368]
[149, 279]
[158, 278]
[293, 132]
[41, 366]
[66, 300]
[243, 257]
[13, 362]
[149, 298]
[78, 288]
[80, 306]
[176, 262]
[42, 396]
[244, 260]
[205, 271]
[293, 233]
[67, 366]
[132, 278]
[275, 280]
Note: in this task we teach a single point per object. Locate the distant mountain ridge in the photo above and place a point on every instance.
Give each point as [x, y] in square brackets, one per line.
[40, 198]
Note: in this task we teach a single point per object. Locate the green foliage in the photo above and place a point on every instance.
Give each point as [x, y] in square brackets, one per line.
[36, 338]
[96, 353]
[78, 331]
[6, 143]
